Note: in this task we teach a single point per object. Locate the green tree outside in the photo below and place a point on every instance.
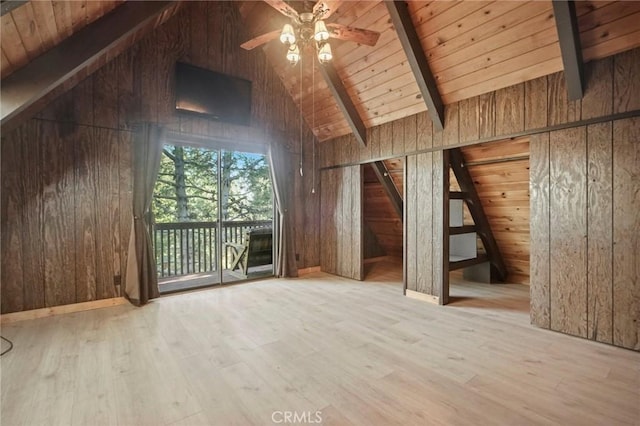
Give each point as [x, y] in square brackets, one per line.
[187, 190]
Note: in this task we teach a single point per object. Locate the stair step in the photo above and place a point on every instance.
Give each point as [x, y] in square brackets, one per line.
[460, 264]
[466, 229]
[457, 195]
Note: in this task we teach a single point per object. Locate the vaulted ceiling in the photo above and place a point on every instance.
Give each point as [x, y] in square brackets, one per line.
[34, 27]
[471, 47]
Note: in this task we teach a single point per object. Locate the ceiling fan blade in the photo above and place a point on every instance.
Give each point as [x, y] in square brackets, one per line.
[358, 35]
[260, 40]
[330, 6]
[283, 8]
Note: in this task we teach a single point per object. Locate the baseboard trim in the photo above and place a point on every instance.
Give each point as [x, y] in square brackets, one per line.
[311, 270]
[62, 309]
[424, 297]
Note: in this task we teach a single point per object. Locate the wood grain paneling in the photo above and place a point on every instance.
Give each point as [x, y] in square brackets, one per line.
[386, 141]
[600, 239]
[597, 100]
[74, 196]
[540, 230]
[30, 173]
[535, 103]
[450, 134]
[356, 250]
[423, 227]
[12, 224]
[487, 112]
[625, 81]
[626, 233]
[469, 120]
[341, 222]
[424, 132]
[107, 219]
[424, 275]
[86, 180]
[328, 220]
[58, 200]
[568, 230]
[510, 109]
[560, 108]
[568, 204]
[411, 223]
[397, 136]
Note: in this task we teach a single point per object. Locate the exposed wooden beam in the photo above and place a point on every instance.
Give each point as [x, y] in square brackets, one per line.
[417, 59]
[570, 47]
[477, 213]
[6, 6]
[40, 77]
[382, 173]
[344, 102]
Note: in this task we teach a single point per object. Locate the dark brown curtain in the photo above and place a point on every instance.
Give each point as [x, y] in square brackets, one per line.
[282, 180]
[141, 282]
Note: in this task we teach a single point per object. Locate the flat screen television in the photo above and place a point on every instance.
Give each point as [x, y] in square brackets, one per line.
[212, 94]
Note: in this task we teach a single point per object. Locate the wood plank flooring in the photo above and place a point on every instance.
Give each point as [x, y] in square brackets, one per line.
[358, 352]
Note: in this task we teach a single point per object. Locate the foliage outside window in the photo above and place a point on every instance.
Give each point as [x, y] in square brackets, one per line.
[187, 190]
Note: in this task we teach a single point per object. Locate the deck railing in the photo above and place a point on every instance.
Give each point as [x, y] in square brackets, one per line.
[183, 248]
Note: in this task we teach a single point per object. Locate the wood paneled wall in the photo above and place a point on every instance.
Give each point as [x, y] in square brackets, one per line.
[585, 256]
[66, 173]
[341, 222]
[612, 87]
[66, 214]
[536, 108]
[424, 218]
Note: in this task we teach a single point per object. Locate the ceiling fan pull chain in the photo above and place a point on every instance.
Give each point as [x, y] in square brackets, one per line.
[313, 127]
[301, 144]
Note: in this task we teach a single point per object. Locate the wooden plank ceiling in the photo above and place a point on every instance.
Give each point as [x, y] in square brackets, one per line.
[36, 26]
[473, 47]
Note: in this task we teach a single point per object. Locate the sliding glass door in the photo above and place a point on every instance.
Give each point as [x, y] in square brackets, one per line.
[246, 206]
[213, 213]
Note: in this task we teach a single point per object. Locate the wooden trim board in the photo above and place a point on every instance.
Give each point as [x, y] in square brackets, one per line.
[310, 270]
[422, 296]
[62, 309]
[528, 132]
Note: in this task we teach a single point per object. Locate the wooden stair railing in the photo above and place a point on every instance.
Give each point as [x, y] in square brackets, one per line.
[481, 227]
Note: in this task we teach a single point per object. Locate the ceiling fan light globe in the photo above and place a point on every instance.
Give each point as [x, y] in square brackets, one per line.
[287, 36]
[321, 32]
[293, 55]
[324, 54]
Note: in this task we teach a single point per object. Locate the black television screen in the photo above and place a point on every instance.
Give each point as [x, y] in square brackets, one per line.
[218, 96]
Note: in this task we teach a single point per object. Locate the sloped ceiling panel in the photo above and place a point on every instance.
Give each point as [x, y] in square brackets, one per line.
[37, 26]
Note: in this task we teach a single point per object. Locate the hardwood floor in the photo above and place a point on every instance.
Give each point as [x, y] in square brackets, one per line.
[357, 352]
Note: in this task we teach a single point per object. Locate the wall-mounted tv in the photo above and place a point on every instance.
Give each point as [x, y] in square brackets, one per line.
[218, 96]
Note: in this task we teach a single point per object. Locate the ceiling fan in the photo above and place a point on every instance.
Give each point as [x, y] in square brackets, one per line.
[308, 28]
